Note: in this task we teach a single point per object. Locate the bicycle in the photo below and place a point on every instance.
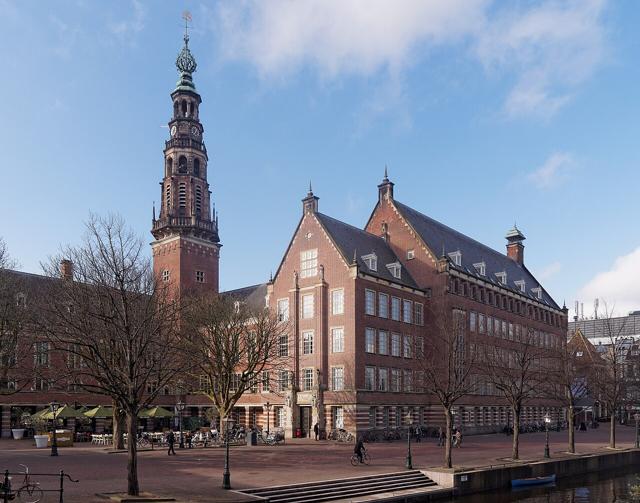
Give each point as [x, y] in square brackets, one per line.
[366, 459]
[30, 492]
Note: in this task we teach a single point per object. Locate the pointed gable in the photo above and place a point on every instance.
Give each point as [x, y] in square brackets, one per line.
[498, 268]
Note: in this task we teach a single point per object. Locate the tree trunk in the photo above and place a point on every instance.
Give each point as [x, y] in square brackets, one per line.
[612, 429]
[133, 488]
[515, 449]
[447, 437]
[118, 427]
[572, 430]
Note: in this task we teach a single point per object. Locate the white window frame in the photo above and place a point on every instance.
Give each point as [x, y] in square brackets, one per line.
[166, 275]
[337, 301]
[309, 263]
[337, 415]
[395, 268]
[337, 340]
[383, 342]
[407, 347]
[383, 379]
[481, 268]
[396, 308]
[369, 302]
[456, 257]
[200, 278]
[407, 311]
[396, 344]
[307, 342]
[394, 381]
[411, 254]
[370, 340]
[283, 309]
[383, 305]
[521, 284]
[337, 378]
[370, 378]
[307, 379]
[371, 261]
[308, 310]
[502, 277]
[418, 313]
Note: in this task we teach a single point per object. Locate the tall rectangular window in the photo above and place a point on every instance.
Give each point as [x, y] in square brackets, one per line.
[419, 346]
[370, 378]
[406, 348]
[337, 340]
[372, 417]
[407, 311]
[489, 325]
[370, 302]
[265, 380]
[383, 342]
[41, 357]
[395, 344]
[166, 275]
[383, 380]
[383, 305]
[279, 418]
[504, 329]
[200, 276]
[395, 308]
[337, 414]
[307, 306]
[418, 316]
[394, 384]
[337, 378]
[283, 380]
[283, 345]
[307, 379]
[283, 309]
[370, 340]
[472, 321]
[482, 323]
[337, 301]
[307, 342]
[309, 263]
[408, 381]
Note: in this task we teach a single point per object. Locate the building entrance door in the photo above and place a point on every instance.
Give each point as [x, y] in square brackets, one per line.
[305, 421]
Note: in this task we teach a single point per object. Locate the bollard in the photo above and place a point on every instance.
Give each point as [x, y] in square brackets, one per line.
[61, 485]
[6, 487]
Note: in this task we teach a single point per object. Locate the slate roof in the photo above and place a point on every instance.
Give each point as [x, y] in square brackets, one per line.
[350, 240]
[437, 235]
[254, 295]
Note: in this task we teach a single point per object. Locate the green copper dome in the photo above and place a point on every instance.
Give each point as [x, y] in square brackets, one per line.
[186, 65]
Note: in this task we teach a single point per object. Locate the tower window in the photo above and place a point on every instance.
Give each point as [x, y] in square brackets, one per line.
[169, 169]
[200, 276]
[196, 167]
[184, 108]
[198, 200]
[182, 195]
[167, 196]
[165, 275]
[182, 164]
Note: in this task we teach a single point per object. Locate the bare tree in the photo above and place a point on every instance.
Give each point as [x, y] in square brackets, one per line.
[570, 383]
[519, 370]
[16, 350]
[609, 377]
[232, 343]
[116, 326]
[447, 362]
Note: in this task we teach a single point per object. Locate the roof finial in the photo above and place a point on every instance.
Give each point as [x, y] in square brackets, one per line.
[443, 252]
[271, 277]
[185, 62]
[186, 15]
[310, 189]
[355, 256]
[386, 177]
[154, 211]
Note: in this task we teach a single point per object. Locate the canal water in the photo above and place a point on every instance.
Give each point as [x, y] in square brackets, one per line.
[604, 487]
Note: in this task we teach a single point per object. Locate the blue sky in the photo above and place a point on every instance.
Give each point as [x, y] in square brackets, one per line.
[485, 112]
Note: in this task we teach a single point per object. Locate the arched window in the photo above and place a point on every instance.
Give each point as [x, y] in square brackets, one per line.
[184, 108]
[182, 164]
[167, 196]
[176, 109]
[196, 166]
[198, 199]
[169, 169]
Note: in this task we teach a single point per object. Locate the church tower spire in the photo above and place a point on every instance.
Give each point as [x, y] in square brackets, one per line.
[186, 247]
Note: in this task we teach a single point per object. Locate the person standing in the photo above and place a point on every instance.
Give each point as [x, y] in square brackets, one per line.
[458, 439]
[316, 430]
[440, 437]
[171, 440]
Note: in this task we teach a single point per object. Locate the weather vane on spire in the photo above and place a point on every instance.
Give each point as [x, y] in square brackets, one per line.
[186, 15]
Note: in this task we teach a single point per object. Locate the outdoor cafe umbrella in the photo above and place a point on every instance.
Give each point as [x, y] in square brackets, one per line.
[156, 413]
[64, 412]
[99, 412]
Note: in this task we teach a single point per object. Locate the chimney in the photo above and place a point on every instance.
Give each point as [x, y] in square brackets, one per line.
[515, 248]
[66, 269]
[310, 203]
[385, 189]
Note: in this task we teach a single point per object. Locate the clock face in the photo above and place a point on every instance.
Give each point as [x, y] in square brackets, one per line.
[195, 131]
[173, 130]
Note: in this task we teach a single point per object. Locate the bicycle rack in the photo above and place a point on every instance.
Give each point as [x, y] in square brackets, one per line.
[9, 493]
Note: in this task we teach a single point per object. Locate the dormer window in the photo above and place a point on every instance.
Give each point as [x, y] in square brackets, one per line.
[411, 254]
[521, 285]
[395, 269]
[456, 257]
[537, 292]
[502, 277]
[371, 261]
[481, 268]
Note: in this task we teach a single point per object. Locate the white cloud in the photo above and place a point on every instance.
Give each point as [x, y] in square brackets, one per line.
[553, 171]
[618, 287]
[126, 29]
[547, 49]
[549, 271]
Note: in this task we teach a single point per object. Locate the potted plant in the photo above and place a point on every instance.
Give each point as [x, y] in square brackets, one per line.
[18, 431]
[39, 425]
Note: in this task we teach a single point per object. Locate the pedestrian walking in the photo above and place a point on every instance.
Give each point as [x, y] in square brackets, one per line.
[440, 437]
[418, 434]
[171, 440]
[457, 439]
[316, 430]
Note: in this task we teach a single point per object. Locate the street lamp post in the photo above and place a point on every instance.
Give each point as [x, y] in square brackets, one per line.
[636, 416]
[180, 406]
[409, 460]
[226, 475]
[547, 420]
[54, 406]
[268, 407]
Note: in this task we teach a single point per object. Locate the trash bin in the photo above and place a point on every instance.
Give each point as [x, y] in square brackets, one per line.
[253, 437]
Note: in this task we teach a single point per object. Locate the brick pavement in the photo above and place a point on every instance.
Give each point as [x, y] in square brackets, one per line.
[195, 475]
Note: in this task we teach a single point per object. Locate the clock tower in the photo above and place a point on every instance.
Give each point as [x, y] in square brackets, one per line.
[186, 247]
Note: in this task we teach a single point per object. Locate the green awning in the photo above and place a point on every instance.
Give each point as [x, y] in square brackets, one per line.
[156, 412]
[64, 412]
[100, 411]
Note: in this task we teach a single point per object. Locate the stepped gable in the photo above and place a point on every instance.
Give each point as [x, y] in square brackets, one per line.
[437, 235]
[350, 240]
